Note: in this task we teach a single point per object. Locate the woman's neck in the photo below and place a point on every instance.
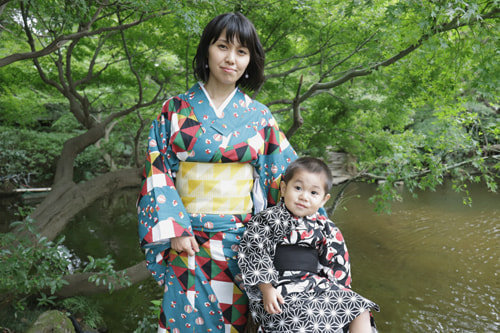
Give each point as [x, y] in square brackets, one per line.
[218, 93]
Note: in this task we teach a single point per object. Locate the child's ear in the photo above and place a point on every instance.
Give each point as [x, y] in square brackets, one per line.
[325, 199]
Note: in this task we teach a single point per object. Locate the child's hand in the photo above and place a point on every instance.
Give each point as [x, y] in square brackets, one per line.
[272, 298]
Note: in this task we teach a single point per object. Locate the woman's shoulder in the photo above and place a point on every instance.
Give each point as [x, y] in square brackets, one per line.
[252, 104]
[182, 100]
[187, 95]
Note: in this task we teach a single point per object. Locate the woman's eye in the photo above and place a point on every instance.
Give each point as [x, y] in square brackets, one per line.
[242, 52]
[222, 46]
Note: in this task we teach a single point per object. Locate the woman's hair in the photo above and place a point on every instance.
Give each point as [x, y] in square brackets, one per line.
[313, 165]
[239, 27]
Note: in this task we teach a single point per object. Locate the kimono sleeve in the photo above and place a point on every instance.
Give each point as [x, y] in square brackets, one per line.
[255, 256]
[335, 257]
[161, 214]
[276, 155]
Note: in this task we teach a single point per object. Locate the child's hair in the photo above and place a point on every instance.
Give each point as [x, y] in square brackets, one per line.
[313, 165]
[239, 27]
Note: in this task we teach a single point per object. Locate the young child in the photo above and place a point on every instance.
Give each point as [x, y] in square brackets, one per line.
[295, 264]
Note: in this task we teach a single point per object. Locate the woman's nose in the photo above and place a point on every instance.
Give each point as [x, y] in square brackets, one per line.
[230, 57]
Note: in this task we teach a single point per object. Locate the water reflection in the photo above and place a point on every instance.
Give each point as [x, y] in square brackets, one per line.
[432, 265]
[109, 226]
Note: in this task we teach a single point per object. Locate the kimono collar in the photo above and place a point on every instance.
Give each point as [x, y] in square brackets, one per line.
[220, 109]
[311, 218]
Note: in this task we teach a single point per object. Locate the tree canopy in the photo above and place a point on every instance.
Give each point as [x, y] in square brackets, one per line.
[409, 88]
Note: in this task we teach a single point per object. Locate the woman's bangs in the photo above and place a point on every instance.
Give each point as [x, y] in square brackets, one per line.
[237, 30]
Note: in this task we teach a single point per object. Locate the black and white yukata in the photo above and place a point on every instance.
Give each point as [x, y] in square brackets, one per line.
[314, 302]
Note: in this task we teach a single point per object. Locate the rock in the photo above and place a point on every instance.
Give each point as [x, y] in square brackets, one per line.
[52, 321]
[341, 165]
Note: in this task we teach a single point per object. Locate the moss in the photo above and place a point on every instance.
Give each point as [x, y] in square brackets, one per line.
[52, 321]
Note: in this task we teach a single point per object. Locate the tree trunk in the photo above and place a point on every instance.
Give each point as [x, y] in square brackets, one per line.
[68, 198]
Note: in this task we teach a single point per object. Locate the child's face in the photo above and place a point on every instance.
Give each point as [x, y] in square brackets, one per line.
[305, 193]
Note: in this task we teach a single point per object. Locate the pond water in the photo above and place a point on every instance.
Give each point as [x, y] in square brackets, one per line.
[432, 265]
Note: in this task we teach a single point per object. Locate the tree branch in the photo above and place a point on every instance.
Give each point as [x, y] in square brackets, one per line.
[79, 285]
[61, 40]
[422, 173]
[4, 2]
[297, 118]
[68, 198]
[356, 50]
[130, 65]
[453, 24]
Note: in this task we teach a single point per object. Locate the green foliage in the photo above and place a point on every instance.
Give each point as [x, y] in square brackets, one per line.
[397, 113]
[37, 268]
[18, 321]
[149, 322]
[104, 273]
[87, 311]
[446, 143]
[29, 268]
[66, 123]
[23, 97]
[83, 307]
[29, 155]
[390, 117]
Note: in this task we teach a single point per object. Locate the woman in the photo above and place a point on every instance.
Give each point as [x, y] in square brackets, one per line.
[215, 158]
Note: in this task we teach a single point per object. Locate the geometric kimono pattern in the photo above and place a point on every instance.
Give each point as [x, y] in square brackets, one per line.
[216, 188]
[203, 293]
[207, 281]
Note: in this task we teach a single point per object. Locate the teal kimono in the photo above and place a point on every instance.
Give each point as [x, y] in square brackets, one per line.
[203, 293]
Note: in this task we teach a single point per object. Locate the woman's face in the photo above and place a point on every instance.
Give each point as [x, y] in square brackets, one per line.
[227, 61]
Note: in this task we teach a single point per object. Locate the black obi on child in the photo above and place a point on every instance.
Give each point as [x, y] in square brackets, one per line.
[289, 257]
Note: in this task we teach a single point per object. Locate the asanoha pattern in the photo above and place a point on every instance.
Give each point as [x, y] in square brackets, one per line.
[321, 302]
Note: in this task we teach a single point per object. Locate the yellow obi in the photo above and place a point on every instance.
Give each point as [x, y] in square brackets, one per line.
[215, 188]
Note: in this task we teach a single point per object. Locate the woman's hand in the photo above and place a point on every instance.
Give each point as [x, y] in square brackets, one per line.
[185, 243]
[271, 297]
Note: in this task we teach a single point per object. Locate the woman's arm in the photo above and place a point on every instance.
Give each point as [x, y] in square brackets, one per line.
[160, 212]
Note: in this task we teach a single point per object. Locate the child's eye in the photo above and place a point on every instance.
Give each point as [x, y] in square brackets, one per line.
[314, 193]
[298, 188]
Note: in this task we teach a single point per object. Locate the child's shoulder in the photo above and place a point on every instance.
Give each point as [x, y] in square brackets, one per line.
[269, 214]
[325, 222]
[270, 210]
